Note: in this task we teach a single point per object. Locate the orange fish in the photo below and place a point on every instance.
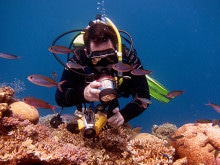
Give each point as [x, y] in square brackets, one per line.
[45, 81]
[9, 56]
[57, 49]
[174, 93]
[214, 106]
[39, 103]
[137, 129]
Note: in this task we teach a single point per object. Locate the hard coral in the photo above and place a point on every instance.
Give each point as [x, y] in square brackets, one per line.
[164, 131]
[148, 149]
[24, 143]
[198, 143]
[25, 111]
[6, 95]
[3, 108]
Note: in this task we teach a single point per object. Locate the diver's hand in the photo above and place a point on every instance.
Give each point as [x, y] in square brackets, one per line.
[117, 119]
[91, 91]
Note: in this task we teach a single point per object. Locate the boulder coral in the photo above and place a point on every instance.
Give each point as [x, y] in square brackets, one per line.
[164, 131]
[199, 143]
[8, 101]
[25, 111]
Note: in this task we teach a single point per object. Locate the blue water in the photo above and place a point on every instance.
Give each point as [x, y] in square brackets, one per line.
[178, 40]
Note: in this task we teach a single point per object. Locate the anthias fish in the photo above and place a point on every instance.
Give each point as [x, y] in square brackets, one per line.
[39, 103]
[174, 93]
[213, 121]
[44, 81]
[140, 72]
[214, 106]
[122, 67]
[57, 49]
[9, 56]
[74, 65]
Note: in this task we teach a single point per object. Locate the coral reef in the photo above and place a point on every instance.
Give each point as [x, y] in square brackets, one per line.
[6, 98]
[27, 140]
[4, 107]
[24, 143]
[6, 95]
[8, 101]
[199, 143]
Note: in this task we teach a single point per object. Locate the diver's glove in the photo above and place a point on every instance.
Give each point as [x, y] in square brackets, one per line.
[117, 119]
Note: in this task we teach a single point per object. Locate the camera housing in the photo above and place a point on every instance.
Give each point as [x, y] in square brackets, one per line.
[90, 124]
[108, 89]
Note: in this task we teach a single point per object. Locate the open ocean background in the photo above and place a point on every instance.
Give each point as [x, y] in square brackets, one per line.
[178, 39]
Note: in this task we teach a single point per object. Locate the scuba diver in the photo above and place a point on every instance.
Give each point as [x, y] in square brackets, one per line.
[100, 70]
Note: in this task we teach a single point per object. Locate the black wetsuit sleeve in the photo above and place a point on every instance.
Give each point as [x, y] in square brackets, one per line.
[72, 90]
[139, 88]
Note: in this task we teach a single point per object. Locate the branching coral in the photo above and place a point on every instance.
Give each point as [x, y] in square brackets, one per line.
[6, 94]
[6, 97]
[3, 109]
[148, 149]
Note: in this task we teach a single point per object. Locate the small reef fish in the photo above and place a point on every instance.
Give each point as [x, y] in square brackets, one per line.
[9, 56]
[122, 67]
[174, 93]
[214, 106]
[74, 65]
[39, 103]
[45, 81]
[213, 121]
[57, 49]
[140, 72]
[137, 129]
[54, 75]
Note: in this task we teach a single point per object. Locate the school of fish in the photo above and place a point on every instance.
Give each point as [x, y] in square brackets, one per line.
[45, 81]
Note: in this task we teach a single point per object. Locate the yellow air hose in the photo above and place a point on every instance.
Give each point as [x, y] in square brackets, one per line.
[119, 52]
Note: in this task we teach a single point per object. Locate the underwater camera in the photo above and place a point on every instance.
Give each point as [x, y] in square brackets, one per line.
[89, 124]
[108, 89]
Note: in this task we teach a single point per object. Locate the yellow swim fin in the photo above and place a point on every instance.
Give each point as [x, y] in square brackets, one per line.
[157, 90]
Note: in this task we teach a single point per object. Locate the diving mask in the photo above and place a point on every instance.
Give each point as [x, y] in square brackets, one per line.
[103, 56]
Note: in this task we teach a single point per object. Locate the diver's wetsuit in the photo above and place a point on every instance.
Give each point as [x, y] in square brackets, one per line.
[73, 88]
